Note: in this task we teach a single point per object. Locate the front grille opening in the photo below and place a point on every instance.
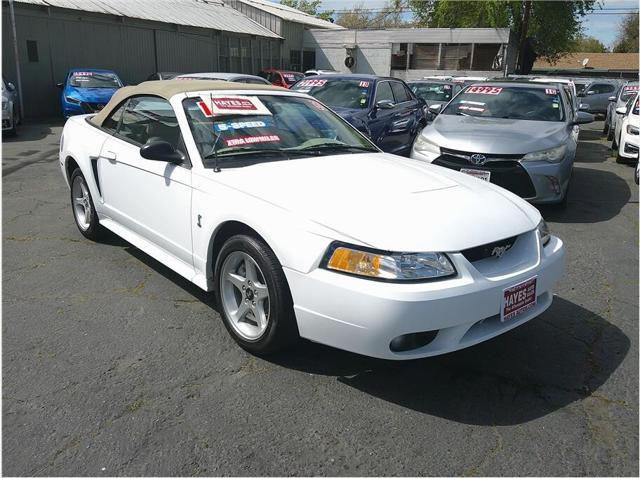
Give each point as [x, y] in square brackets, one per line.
[493, 249]
[406, 342]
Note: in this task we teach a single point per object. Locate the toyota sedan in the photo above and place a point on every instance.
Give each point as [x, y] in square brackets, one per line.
[521, 136]
[301, 227]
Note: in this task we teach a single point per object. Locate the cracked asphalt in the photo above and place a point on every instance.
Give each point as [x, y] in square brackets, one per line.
[114, 365]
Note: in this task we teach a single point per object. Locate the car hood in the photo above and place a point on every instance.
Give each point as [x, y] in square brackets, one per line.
[93, 95]
[495, 135]
[387, 202]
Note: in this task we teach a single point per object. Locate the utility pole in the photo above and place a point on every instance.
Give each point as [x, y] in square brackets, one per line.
[15, 52]
[523, 35]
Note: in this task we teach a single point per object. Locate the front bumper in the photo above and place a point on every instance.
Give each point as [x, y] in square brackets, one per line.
[364, 316]
[7, 118]
[536, 181]
[629, 146]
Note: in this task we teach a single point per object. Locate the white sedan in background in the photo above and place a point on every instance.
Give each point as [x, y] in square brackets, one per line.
[301, 227]
[625, 140]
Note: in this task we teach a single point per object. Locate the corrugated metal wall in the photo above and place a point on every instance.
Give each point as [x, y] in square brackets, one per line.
[293, 34]
[133, 48]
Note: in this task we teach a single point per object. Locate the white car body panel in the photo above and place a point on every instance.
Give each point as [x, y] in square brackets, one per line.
[300, 207]
[623, 137]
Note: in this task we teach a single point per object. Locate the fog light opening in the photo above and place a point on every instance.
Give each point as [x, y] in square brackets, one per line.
[555, 184]
[406, 342]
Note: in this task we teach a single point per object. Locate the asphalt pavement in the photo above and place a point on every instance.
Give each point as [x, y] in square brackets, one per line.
[114, 365]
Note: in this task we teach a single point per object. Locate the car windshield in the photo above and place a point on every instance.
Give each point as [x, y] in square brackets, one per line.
[627, 92]
[339, 93]
[432, 91]
[93, 79]
[232, 130]
[291, 78]
[534, 104]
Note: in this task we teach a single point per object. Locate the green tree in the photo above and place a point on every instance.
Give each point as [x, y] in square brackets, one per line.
[311, 7]
[362, 17]
[627, 40]
[548, 28]
[588, 45]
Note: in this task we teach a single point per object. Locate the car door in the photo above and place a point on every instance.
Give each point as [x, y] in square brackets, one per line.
[408, 113]
[150, 198]
[598, 96]
[381, 118]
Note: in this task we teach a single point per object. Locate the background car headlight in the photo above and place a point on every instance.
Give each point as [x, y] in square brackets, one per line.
[545, 235]
[426, 146]
[632, 129]
[552, 155]
[392, 266]
[75, 101]
[5, 104]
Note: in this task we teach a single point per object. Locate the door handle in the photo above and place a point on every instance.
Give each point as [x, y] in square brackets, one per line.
[110, 155]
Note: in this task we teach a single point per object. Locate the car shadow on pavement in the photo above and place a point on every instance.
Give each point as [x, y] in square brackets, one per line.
[561, 357]
[592, 152]
[594, 196]
[590, 134]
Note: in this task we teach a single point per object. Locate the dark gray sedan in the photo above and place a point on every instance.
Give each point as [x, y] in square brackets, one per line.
[521, 136]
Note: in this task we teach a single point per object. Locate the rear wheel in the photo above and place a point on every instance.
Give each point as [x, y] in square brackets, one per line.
[605, 129]
[84, 212]
[253, 296]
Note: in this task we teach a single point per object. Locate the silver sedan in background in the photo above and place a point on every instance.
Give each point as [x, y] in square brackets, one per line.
[10, 108]
[521, 136]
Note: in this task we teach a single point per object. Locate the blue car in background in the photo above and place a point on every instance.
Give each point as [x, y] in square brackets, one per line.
[385, 109]
[87, 90]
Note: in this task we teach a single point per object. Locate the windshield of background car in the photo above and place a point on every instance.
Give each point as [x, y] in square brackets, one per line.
[627, 92]
[352, 94]
[264, 128]
[488, 101]
[432, 91]
[291, 78]
[92, 79]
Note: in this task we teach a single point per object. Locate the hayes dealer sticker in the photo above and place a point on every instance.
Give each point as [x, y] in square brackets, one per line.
[232, 105]
[518, 299]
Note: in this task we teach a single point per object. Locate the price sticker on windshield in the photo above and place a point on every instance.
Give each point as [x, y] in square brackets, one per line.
[551, 91]
[484, 90]
[311, 83]
[232, 105]
[364, 84]
[631, 88]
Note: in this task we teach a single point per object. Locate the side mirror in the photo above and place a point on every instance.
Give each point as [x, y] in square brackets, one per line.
[60, 85]
[385, 104]
[621, 110]
[583, 107]
[591, 92]
[161, 151]
[435, 109]
[612, 98]
[11, 86]
[583, 118]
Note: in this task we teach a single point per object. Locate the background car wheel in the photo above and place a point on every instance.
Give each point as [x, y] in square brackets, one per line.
[84, 212]
[610, 133]
[614, 144]
[253, 296]
[605, 129]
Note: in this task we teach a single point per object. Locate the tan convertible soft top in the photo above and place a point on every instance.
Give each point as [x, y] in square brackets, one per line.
[167, 89]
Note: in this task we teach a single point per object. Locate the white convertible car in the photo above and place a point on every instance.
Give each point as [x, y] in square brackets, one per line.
[301, 226]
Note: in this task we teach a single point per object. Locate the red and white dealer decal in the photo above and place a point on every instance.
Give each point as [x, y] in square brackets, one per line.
[484, 90]
[244, 140]
[518, 299]
[631, 88]
[232, 105]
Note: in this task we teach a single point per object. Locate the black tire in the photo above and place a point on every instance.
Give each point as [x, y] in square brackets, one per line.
[282, 329]
[95, 230]
[610, 133]
[620, 159]
[605, 128]
[614, 144]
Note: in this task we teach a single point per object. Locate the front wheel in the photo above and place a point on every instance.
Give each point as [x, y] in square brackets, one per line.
[253, 296]
[84, 212]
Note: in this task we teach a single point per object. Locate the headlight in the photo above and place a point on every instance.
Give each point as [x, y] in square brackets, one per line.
[75, 101]
[632, 129]
[545, 235]
[425, 145]
[5, 104]
[390, 266]
[552, 155]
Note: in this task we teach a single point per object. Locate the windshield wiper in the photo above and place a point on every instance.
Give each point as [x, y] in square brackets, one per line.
[329, 146]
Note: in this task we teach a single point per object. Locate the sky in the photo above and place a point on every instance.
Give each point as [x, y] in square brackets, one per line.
[603, 25]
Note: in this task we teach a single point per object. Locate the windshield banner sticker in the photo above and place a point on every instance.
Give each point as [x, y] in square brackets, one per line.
[219, 127]
[631, 88]
[242, 141]
[83, 73]
[311, 83]
[232, 105]
[469, 102]
[484, 90]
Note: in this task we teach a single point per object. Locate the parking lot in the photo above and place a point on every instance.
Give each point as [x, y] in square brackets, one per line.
[115, 365]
